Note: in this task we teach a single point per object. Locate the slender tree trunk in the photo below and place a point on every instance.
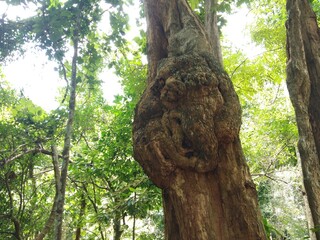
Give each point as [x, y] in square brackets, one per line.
[83, 205]
[17, 228]
[211, 26]
[47, 227]
[67, 143]
[117, 231]
[49, 223]
[95, 207]
[134, 228]
[303, 81]
[16, 223]
[186, 132]
[134, 218]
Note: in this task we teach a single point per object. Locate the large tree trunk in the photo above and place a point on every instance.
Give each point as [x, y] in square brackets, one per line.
[303, 80]
[211, 26]
[186, 132]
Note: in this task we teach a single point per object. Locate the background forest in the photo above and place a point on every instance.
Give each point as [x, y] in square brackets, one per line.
[107, 195]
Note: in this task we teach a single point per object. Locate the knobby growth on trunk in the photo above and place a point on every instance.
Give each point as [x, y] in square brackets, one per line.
[303, 80]
[186, 132]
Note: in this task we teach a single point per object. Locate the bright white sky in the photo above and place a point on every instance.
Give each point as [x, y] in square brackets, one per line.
[36, 76]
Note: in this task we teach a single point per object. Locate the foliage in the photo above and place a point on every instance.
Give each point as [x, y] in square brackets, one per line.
[268, 29]
[316, 8]
[25, 191]
[223, 8]
[102, 168]
[104, 180]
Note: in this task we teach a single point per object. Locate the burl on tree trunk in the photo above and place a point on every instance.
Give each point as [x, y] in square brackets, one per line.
[303, 81]
[186, 132]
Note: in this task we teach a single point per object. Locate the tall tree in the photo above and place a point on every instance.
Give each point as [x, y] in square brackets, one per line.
[211, 26]
[186, 132]
[303, 80]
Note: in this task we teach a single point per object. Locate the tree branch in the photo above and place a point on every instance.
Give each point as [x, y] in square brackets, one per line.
[64, 71]
[28, 151]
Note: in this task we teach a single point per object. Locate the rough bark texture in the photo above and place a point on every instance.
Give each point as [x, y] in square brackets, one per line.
[186, 132]
[307, 211]
[303, 80]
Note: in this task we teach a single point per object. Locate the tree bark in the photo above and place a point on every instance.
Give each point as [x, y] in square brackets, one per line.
[134, 218]
[211, 26]
[303, 81]
[307, 211]
[83, 205]
[16, 223]
[67, 142]
[186, 132]
[117, 231]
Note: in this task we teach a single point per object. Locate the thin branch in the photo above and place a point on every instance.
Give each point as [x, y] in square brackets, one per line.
[233, 72]
[276, 179]
[268, 175]
[5, 232]
[82, 135]
[276, 96]
[107, 10]
[95, 207]
[278, 153]
[17, 148]
[28, 151]
[272, 50]
[42, 172]
[64, 71]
